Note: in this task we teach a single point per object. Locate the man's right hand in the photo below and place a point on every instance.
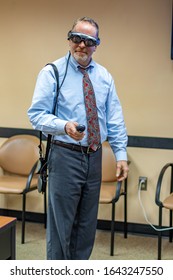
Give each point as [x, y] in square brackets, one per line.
[70, 129]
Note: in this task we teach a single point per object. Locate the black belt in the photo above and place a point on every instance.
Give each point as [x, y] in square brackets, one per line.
[74, 147]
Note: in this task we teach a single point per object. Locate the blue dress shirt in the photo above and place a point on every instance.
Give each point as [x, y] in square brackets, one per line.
[70, 105]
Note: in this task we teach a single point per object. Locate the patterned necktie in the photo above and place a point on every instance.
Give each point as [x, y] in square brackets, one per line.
[91, 112]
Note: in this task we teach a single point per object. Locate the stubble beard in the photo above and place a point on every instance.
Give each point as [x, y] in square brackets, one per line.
[82, 58]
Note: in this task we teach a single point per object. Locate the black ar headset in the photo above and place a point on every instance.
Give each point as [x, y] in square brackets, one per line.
[77, 38]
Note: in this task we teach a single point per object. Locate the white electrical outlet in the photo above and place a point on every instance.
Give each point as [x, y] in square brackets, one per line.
[142, 184]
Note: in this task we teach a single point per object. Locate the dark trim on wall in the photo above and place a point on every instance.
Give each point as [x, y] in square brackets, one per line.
[150, 142]
[133, 141]
[6, 132]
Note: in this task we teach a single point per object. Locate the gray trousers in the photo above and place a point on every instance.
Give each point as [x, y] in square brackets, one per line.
[73, 194]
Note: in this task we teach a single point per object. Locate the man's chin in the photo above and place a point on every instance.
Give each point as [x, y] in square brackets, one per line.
[80, 57]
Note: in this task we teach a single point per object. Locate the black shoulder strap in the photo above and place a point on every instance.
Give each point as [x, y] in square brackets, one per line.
[53, 112]
[55, 101]
[55, 70]
[57, 87]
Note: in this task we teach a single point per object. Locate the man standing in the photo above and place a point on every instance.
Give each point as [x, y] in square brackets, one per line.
[88, 97]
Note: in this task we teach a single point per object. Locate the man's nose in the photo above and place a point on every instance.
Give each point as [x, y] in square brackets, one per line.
[82, 44]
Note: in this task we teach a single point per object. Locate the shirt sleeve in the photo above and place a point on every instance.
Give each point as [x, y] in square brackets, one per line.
[40, 111]
[117, 133]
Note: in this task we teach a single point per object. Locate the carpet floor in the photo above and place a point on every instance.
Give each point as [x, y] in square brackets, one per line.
[135, 247]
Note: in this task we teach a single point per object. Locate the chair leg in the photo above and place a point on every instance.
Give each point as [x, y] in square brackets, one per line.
[160, 234]
[23, 218]
[125, 209]
[45, 209]
[170, 224]
[112, 229]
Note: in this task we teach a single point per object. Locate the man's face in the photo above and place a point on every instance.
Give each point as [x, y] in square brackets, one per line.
[79, 51]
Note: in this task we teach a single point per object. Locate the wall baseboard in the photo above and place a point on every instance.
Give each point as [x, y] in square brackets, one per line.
[133, 228]
[30, 216]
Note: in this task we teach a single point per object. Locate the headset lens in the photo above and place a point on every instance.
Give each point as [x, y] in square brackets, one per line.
[89, 42]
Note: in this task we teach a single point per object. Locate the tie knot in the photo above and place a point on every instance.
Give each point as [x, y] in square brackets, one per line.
[83, 70]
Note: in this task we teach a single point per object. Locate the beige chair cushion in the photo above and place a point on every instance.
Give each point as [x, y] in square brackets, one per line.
[168, 202]
[109, 180]
[108, 164]
[19, 153]
[107, 192]
[15, 184]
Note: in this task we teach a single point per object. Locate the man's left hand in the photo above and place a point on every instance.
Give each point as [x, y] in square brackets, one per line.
[122, 170]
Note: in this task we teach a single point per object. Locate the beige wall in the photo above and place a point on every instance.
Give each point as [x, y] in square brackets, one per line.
[135, 47]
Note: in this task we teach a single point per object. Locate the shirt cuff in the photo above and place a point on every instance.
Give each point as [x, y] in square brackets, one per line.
[121, 155]
[61, 127]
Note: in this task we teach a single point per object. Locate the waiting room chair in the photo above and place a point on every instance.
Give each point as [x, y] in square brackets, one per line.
[111, 190]
[18, 162]
[164, 201]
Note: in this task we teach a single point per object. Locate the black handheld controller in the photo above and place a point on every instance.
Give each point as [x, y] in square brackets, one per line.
[80, 128]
